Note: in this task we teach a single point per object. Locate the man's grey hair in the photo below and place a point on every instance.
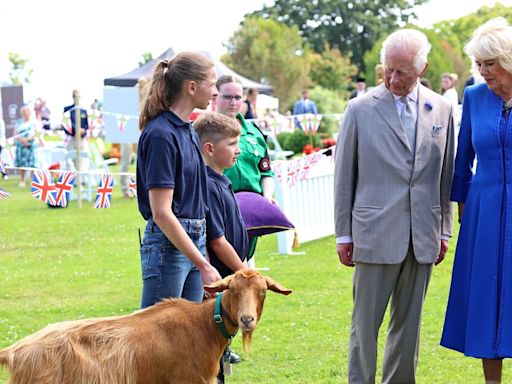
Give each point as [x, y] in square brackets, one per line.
[410, 40]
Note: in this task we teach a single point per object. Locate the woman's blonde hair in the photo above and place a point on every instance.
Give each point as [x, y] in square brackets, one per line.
[167, 81]
[492, 41]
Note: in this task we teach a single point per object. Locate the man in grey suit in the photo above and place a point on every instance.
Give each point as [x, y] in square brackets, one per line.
[392, 179]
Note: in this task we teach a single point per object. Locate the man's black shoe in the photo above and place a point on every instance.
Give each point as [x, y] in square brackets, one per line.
[234, 358]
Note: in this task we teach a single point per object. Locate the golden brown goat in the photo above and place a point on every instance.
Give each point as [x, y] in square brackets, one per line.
[175, 341]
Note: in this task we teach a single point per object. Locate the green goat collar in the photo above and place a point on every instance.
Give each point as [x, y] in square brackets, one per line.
[217, 317]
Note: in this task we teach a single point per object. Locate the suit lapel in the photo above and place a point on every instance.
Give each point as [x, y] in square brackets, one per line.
[424, 118]
[386, 108]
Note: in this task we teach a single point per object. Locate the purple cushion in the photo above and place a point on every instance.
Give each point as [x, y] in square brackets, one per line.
[261, 217]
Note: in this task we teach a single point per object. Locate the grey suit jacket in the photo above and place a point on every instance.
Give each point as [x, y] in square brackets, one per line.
[382, 193]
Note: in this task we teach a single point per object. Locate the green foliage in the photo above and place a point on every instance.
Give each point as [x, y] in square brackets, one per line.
[146, 58]
[283, 137]
[351, 26]
[297, 140]
[19, 74]
[328, 102]
[270, 52]
[331, 70]
[460, 31]
[445, 56]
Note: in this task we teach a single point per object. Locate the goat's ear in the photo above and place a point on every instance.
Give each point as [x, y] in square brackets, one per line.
[218, 286]
[277, 287]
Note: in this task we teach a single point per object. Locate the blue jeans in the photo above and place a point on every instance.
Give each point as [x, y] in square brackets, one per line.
[166, 271]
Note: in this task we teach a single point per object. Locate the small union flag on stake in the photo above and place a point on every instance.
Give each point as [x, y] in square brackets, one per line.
[104, 194]
[43, 186]
[132, 185]
[63, 187]
[4, 194]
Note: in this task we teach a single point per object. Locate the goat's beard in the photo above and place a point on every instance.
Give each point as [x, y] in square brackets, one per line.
[246, 340]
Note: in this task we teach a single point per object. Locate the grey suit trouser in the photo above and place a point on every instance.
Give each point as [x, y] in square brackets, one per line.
[374, 284]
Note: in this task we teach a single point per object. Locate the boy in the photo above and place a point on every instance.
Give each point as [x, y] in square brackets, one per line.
[226, 239]
[226, 236]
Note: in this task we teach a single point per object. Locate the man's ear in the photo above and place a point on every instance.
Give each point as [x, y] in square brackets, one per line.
[424, 70]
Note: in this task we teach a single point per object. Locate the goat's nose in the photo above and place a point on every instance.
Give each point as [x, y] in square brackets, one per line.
[247, 320]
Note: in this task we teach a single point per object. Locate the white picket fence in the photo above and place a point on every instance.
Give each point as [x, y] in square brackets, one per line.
[309, 205]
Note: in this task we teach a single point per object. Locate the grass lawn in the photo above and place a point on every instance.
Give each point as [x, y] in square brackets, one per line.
[63, 264]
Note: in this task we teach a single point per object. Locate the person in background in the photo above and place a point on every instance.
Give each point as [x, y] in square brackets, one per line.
[303, 106]
[252, 171]
[393, 215]
[3, 141]
[227, 239]
[25, 145]
[479, 312]
[42, 113]
[248, 108]
[448, 90]
[360, 88]
[172, 181]
[84, 122]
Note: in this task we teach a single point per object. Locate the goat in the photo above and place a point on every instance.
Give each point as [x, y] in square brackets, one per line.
[174, 341]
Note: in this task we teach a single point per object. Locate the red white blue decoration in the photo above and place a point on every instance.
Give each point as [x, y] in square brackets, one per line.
[104, 194]
[63, 187]
[43, 186]
[132, 185]
[4, 194]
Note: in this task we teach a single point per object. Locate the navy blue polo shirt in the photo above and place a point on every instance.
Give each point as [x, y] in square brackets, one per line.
[168, 156]
[224, 219]
[84, 121]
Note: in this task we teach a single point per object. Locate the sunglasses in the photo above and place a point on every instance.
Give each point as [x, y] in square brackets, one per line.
[231, 97]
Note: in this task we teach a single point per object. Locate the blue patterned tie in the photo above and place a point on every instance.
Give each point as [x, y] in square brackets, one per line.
[409, 123]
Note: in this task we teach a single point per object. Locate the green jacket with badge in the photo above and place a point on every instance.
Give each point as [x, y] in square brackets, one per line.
[253, 162]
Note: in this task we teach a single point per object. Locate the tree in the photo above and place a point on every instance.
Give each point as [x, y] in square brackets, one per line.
[19, 74]
[271, 52]
[445, 56]
[460, 30]
[352, 26]
[146, 58]
[331, 70]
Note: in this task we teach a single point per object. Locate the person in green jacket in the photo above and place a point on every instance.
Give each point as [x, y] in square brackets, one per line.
[252, 171]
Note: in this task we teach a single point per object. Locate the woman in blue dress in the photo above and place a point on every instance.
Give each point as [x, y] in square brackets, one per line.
[479, 315]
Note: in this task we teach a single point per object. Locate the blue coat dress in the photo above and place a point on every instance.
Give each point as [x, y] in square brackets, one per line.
[479, 315]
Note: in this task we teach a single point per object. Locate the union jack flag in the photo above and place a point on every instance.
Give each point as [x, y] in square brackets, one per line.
[104, 194]
[3, 171]
[63, 187]
[4, 194]
[132, 185]
[43, 186]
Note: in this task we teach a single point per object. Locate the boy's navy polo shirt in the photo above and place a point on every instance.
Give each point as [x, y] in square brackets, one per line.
[168, 157]
[224, 219]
